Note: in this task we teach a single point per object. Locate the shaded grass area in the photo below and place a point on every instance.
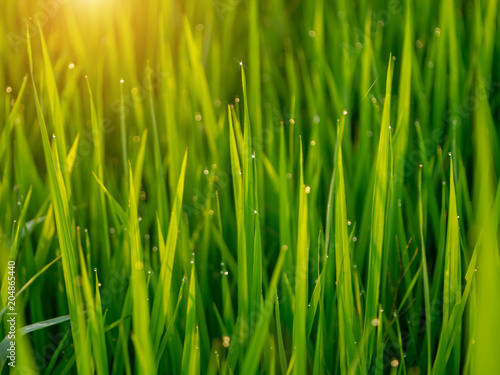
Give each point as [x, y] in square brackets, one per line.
[250, 187]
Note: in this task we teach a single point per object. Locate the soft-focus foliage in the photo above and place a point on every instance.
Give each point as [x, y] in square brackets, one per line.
[243, 186]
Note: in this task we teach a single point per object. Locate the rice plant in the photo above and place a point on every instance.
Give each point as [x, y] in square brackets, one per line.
[243, 187]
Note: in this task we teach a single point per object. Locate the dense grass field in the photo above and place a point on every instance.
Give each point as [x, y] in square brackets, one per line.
[243, 187]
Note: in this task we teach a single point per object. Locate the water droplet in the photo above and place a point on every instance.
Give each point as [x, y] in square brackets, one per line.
[71, 66]
[312, 33]
[53, 135]
[394, 363]
[345, 112]
[375, 322]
